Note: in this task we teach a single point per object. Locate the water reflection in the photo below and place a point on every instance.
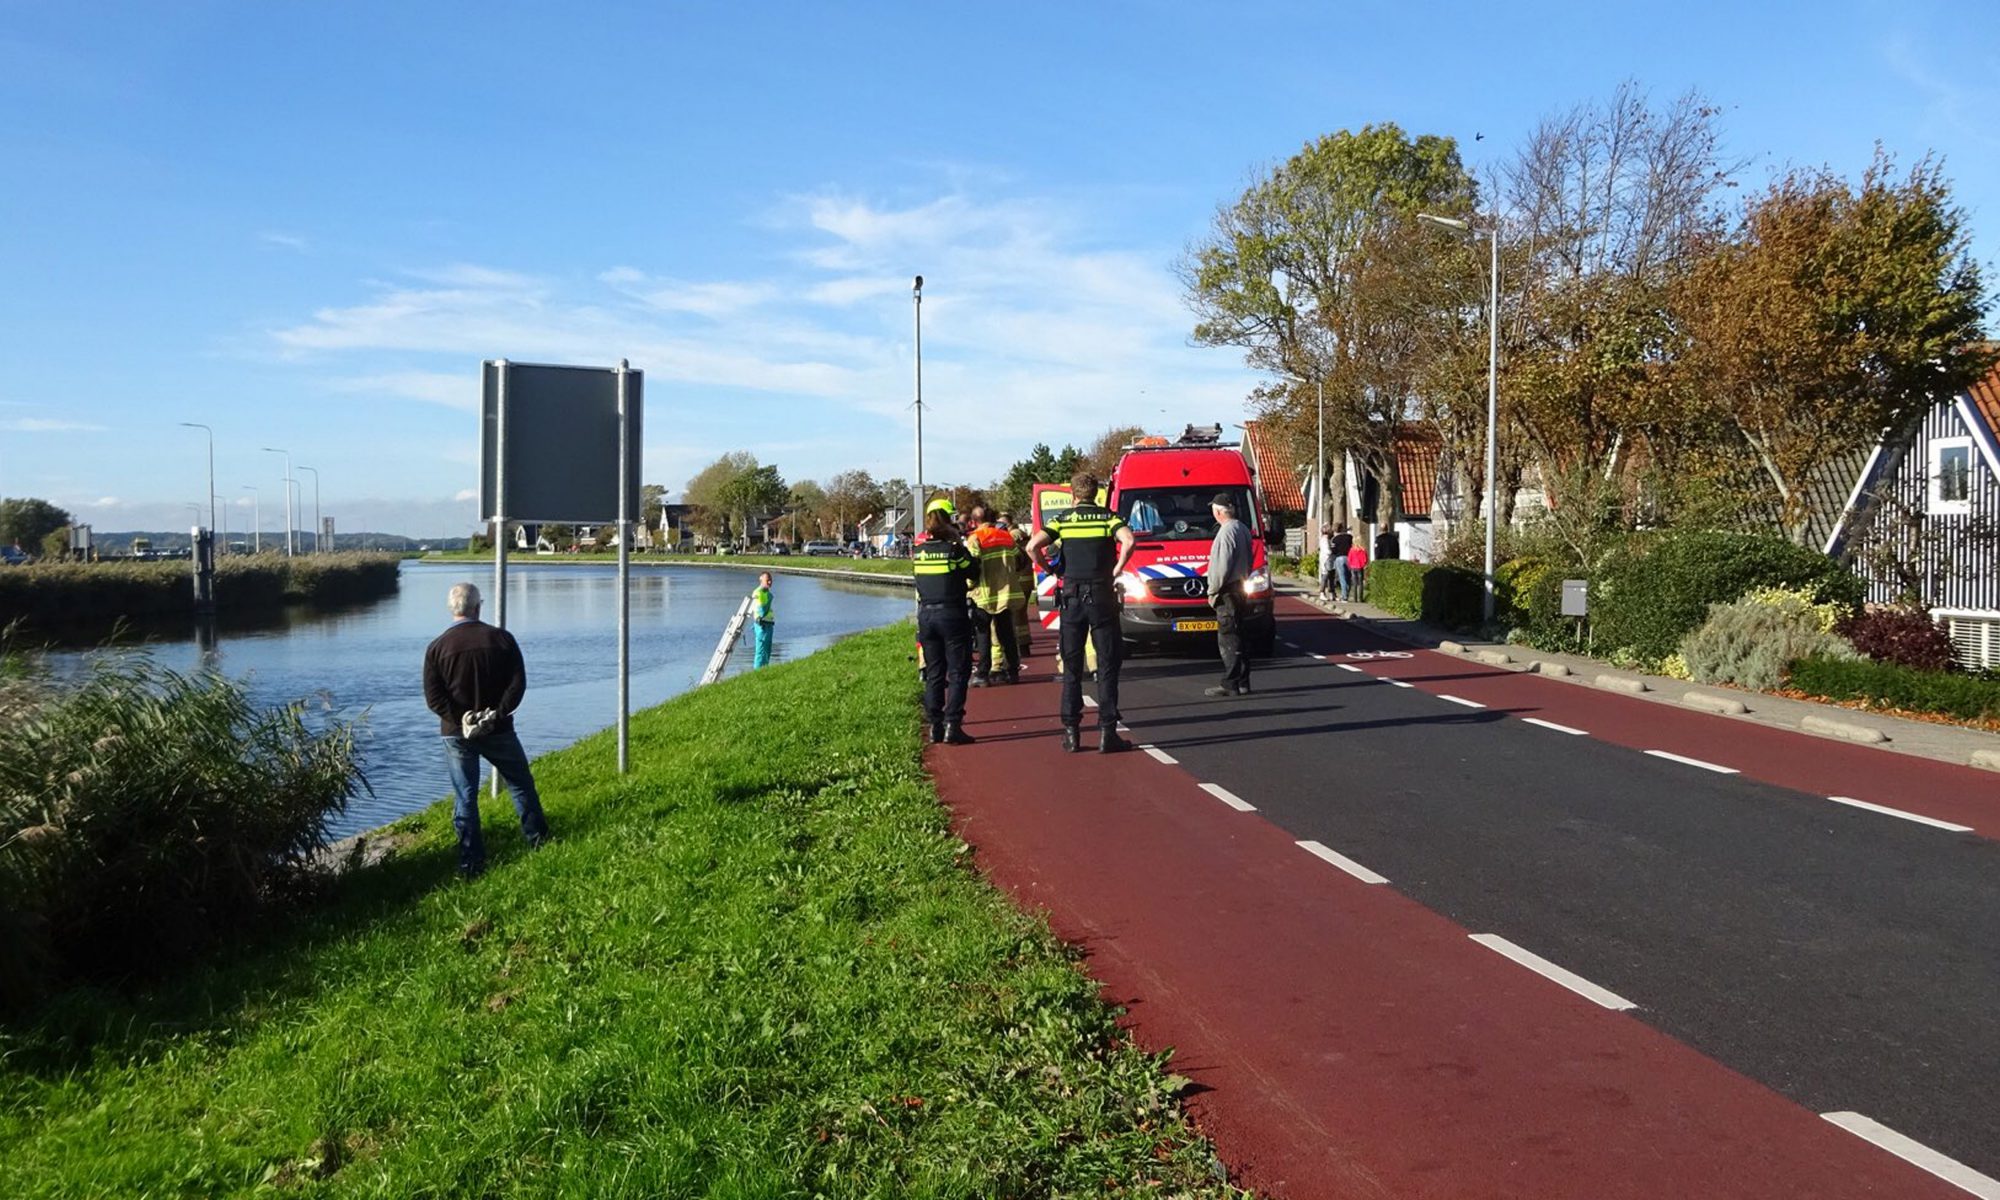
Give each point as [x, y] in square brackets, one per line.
[367, 660]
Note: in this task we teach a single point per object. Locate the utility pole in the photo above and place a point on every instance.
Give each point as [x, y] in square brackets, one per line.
[917, 494]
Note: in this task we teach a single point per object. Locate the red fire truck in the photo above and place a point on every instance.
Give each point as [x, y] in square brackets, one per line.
[1163, 489]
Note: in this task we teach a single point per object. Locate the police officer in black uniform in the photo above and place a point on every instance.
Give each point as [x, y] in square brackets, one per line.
[944, 572]
[1096, 546]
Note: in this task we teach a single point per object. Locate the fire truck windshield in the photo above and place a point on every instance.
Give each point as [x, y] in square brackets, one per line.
[1177, 514]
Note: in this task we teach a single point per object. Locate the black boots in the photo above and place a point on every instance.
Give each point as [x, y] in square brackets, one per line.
[1071, 739]
[1108, 741]
[955, 735]
[937, 732]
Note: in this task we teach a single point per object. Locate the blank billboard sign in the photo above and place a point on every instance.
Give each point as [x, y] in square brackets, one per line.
[561, 434]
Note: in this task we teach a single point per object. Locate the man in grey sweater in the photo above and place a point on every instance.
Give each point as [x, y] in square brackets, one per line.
[1228, 569]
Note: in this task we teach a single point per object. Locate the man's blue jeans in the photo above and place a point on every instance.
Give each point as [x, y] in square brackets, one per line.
[761, 657]
[504, 751]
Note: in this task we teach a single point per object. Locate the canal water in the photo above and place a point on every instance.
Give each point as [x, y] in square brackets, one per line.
[366, 662]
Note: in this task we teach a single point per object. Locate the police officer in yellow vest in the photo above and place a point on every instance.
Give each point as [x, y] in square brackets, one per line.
[1096, 547]
[944, 572]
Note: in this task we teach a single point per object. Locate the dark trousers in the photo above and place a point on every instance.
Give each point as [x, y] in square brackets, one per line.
[986, 627]
[503, 750]
[1229, 639]
[1090, 610]
[945, 632]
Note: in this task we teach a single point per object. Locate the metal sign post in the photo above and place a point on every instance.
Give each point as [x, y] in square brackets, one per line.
[573, 419]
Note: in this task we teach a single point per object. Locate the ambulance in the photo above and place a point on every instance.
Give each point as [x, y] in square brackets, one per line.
[1163, 488]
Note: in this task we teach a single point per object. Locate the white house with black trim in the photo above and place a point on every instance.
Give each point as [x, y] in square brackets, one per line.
[1924, 519]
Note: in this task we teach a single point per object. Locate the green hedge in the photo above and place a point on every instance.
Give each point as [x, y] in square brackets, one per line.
[1969, 697]
[65, 595]
[1448, 596]
[1651, 594]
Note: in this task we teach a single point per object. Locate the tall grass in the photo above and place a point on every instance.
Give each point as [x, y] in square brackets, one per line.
[759, 965]
[146, 815]
[49, 596]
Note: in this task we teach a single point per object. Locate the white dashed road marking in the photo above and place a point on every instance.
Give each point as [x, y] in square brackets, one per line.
[1160, 754]
[1556, 727]
[1948, 1169]
[1548, 970]
[1897, 812]
[1228, 797]
[1458, 700]
[1398, 683]
[1350, 667]
[1090, 702]
[1320, 657]
[1694, 762]
[1343, 862]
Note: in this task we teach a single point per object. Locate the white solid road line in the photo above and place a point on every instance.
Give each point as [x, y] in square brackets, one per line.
[1343, 862]
[1398, 683]
[1948, 1169]
[1897, 812]
[1160, 754]
[1350, 667]
[1548, 970]
[1556, 727]
[1694, 762]
[1228, 797]
[1457, 700]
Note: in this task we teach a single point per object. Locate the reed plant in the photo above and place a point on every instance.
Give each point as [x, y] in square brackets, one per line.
[146, 815]
[64, 595]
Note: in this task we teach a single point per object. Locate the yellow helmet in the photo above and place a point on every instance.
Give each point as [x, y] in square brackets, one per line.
[940, 505]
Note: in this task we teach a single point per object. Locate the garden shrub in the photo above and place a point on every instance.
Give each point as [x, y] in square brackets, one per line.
[1448, 596]
[1907, 637]
[1823, 616]
[1889, 685]
[1648, 595]
[1751, 642]
[1514, 584]
[146, 814]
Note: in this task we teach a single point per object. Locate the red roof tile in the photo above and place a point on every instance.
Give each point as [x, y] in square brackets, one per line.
[1419, 450]
[1276, 476]
[1985, 396]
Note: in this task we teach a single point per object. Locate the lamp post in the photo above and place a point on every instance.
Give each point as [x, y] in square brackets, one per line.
[1492, 236]
[256, 518]
[290, 547]
[211, 468]
[317, 523]
[917, 496]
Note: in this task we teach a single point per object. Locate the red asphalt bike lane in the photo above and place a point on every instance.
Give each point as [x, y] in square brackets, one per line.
[1343, 1040]
[1802, 762]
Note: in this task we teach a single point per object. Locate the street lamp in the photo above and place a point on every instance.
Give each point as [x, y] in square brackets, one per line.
[256, 518]
[211, 468]
[917, 496]
[290, 548]
[317, 523]
[1492, 236]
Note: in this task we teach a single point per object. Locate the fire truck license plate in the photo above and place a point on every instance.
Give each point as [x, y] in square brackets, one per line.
[1194, 627]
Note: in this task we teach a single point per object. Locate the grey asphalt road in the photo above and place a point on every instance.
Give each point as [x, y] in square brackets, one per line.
[1848, 960]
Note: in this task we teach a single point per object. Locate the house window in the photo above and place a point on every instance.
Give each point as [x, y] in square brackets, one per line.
[1951, 476]
[1976, 641]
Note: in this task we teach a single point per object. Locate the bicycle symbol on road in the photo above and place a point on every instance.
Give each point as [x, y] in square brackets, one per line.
[1365, 655]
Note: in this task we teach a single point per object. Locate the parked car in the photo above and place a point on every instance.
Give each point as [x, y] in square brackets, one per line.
[13, 556]
[818, 548]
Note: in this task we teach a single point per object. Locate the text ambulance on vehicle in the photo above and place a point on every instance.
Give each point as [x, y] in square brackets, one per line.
[1163, 490]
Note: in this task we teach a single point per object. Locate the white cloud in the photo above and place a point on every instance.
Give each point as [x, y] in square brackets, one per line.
[458, 390]
[466, 494]
[1032, 325]
[48, 425]
[289, 241]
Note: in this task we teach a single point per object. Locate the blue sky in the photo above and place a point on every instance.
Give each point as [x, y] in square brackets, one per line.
[306, 224]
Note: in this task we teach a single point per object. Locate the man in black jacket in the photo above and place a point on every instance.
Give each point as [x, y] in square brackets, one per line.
[474, 680]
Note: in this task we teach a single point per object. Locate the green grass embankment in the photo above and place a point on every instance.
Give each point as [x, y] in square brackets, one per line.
[65, 595]
[759, 965]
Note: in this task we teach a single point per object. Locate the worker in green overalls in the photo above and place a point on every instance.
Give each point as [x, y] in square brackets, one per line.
[762, 620]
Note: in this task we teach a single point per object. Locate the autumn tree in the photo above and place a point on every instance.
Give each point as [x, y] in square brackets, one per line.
[1109, 447]
[1609, 204]
[1831, 315]
[849, 497]
[704, 491]
[1290, 273]
[803, 508]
